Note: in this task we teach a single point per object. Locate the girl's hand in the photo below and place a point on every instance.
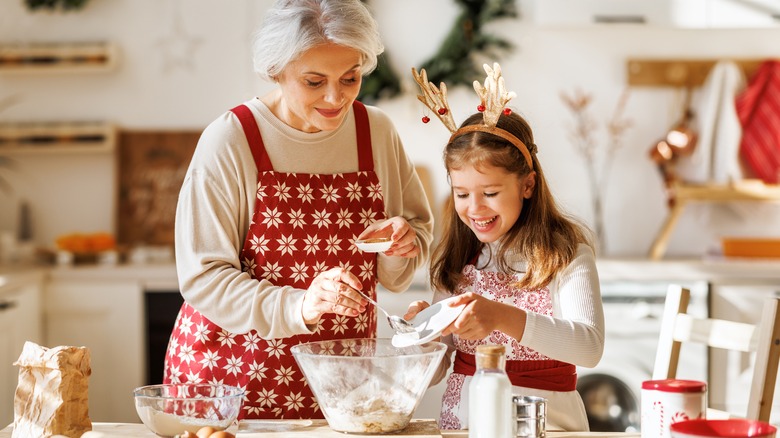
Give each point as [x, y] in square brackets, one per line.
[414, 308]
[397, 229]
[477, 320]
[333, 291]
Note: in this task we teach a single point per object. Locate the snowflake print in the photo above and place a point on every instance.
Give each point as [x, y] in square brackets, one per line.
[344, 218]
[284, 375]
[294, 401]
[321, 218]
[275, 347]
[190, 409]
[305, 193]
[256, 371]
[299, 271]
[375, 191]
[173, 346]
[260, 192]
[366, 217]
[266, 397]
[277, 411]
[226, 338]
[185, 324]
[361, 322]
[251, 340]
[328, 348]
[283, 192]
[332, 244]
[310, 244]
[272, 271]
[318, 268]
[329, 194]
[287, 244]
[217, 382]
[367, 270]
[193, 377]
[347, 266]
[272, 217]
[248, 265]
[353, 190]
[350, 347]
[202, 333]
[259, 244]
[340, 324]
[251, 410]
[233, 366]
[296, 218]
[210, 359]
[186, 353]
[175, 374]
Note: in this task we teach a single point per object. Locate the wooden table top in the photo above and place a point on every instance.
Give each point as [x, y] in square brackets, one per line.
[110, 430]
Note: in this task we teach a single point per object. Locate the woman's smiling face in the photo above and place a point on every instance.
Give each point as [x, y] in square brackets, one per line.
[489, 199]
[319, 87]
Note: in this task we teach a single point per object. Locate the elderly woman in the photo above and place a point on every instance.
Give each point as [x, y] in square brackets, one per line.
[278, 190]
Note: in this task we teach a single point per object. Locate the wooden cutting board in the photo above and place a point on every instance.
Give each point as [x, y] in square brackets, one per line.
[418, 428]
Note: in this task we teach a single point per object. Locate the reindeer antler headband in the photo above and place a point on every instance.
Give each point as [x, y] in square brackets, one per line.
[493, 97]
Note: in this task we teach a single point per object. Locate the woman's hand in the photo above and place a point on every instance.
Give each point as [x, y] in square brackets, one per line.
[414, 308]
[333, 291]
[401, 233]
[478, 319]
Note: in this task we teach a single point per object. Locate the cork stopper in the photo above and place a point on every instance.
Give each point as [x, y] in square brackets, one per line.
[490, 356]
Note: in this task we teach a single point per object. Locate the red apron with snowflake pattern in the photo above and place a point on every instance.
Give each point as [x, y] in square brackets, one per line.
[302, 225]
[524, 366]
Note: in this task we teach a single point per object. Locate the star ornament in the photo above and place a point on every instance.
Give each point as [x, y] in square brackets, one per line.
[178, 49]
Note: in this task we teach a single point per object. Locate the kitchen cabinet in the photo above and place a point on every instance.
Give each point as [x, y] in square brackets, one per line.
[106, 316]
[55, 57]
[20, 321]
[687, 14]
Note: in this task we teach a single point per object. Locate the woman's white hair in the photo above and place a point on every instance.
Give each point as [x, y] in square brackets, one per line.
[291, 27]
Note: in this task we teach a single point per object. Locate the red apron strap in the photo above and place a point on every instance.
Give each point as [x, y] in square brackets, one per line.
[549, 375]
[365, 155]
[252, 133]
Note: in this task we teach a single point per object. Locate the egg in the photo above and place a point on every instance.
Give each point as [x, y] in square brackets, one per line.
[205, 432]
[222, 434]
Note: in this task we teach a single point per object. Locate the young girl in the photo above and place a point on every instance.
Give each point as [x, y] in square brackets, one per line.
[525, 270]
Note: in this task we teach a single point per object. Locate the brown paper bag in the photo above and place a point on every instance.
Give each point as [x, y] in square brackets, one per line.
[52, 394]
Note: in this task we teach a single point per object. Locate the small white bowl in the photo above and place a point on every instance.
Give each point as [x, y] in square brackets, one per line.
[380, 244]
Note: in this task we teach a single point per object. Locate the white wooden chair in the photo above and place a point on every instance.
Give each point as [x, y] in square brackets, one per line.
[763, 339]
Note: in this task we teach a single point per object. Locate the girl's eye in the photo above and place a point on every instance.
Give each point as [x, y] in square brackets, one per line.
[490, 195]
[461, 195]
[313, 84]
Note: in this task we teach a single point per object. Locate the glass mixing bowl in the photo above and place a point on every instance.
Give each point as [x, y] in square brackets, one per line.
[170, 410]
[368, 385]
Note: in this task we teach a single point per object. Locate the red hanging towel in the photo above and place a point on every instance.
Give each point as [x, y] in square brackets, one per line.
[758, 108]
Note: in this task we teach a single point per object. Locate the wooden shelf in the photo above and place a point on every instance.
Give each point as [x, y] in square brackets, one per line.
[56, 137]
[747, 190]
[679, 72]
[86, 57]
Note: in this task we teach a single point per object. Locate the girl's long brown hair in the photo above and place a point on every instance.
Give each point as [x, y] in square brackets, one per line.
[543, 235]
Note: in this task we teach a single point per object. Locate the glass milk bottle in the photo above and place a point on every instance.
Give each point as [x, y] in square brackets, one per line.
[490, 396]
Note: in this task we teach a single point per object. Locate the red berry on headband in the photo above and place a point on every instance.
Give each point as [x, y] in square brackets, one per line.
[442, 111]
[481, 108]
[426, 119]
[507, 111]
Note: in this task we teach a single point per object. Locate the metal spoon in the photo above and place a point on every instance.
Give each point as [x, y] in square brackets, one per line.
[397, 323]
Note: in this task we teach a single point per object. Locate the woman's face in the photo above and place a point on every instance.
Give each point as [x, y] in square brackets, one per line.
[319, 87]
[489, 199]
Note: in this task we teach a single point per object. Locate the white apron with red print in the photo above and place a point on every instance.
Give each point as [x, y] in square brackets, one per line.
[497, 287]
[303, 224]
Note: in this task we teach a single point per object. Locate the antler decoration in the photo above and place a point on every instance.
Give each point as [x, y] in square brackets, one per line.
[493, 94]
[435, 98]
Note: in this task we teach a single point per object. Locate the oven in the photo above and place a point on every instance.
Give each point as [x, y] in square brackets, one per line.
[632, 315]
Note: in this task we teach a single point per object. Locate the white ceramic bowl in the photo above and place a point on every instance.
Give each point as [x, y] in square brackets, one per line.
[374, 245]
[730, 428]
[366, 385]
[170, 410]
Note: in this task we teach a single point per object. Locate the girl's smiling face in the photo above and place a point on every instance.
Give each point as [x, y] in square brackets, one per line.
[319, 87]
[488, 199]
